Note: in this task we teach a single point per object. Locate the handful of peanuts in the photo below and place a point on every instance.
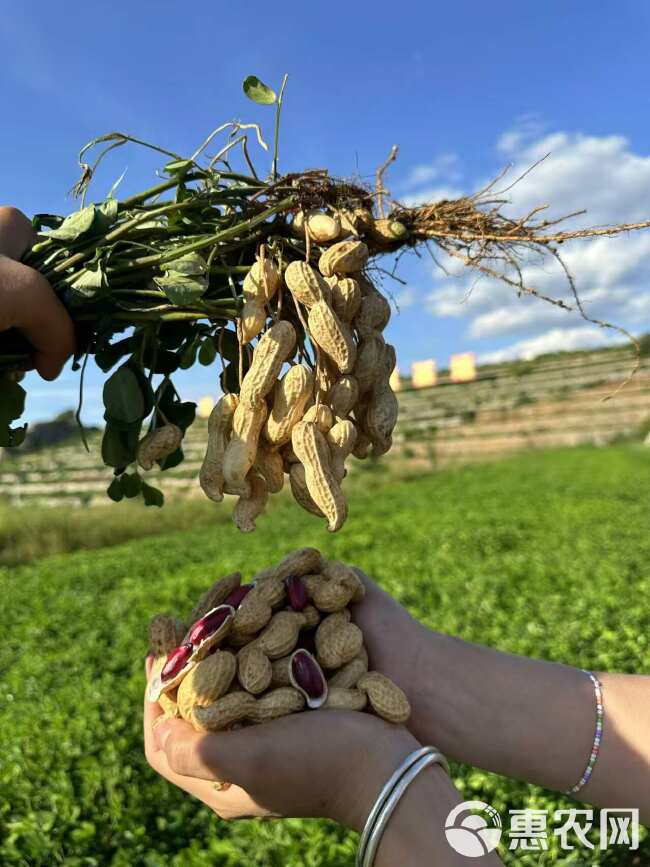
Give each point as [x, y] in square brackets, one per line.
[256, 652]
[305, 422]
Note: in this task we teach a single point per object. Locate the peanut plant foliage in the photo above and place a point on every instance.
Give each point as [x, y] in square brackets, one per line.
[545, 555]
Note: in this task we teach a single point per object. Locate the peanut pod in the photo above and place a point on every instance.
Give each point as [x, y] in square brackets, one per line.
[343, 396]
[381, 418]
[341, 438]
[206, 682]
[338, 640]
[300, 491]
[252, 319]
[313, 452]
[306, 284]
[158, 444]
[332, 336]
[321, 227]
[242, 448]
[290, 397]
[340, 698]
[262, 281]
[370, 361]
[268, 464]
[302, 561]
[346, 257]
[346, 297]
[327, 596]
[387, 233]
[321, 415]
[219, 430]
[253, 669]
[272, 350]
[280, 636]
[251, 506]
[348, 676]
[385, 697]
[216, 595]
[165, 633]
[373, 315]
[334, 570]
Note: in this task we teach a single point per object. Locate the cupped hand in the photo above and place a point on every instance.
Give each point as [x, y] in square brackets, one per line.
[27, 301]
[395, 642]
[323, 763]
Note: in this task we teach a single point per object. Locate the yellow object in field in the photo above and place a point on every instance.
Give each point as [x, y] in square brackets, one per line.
[205, 406]
[462, 367]
[424, 373]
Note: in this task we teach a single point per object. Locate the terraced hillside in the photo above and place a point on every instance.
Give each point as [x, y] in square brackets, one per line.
[559, 401]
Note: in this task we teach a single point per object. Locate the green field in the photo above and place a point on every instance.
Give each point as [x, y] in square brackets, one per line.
[547, 554]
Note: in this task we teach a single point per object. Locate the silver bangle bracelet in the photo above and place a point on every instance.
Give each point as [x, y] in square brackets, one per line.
[389, 798]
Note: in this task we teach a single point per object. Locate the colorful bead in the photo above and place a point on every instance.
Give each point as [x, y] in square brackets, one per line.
[595, 749]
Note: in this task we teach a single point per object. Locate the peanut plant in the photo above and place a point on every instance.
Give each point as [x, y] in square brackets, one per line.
[218, 266]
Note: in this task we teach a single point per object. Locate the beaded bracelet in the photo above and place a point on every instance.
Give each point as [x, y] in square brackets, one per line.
[595, 750]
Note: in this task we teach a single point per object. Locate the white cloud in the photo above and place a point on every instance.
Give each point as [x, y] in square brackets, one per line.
[527, 127]
[446, 166]
[406, 297]
[515, 318]
[603, 175]
[555, 340]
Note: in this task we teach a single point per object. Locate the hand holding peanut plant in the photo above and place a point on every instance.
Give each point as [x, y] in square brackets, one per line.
[209, 265]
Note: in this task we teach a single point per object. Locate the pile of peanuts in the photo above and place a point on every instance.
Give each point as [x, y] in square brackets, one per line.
[256, 652]
[306, 421]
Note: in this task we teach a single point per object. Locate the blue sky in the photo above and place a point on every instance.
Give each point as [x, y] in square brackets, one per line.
[462, 88]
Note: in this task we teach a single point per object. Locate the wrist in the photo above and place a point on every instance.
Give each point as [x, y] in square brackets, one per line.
[371, 767]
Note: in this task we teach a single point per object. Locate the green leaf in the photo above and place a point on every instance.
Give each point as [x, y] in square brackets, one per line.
[114, 490]
[110, 354]
[182, 290]
[12, 400]
[119, 447]
[11, 437]
[51, 221]
[172, 460]
[163, 361]
[258, 91]
[91, 283]
[228, 343]
[131, 485]
[178, 167]
[207, 352]
[191, 265]
[106, 215]
[180, 413]
[75, 225]
[123, 397]
[152, 496]
[188, 354]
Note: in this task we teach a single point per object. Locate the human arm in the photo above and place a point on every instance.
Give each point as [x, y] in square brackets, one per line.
[524, 718]
[27, 301]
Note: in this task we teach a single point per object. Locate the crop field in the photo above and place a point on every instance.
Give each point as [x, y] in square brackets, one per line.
[545, 554]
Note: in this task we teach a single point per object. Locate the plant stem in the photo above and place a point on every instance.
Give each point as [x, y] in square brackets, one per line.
[276, 139]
